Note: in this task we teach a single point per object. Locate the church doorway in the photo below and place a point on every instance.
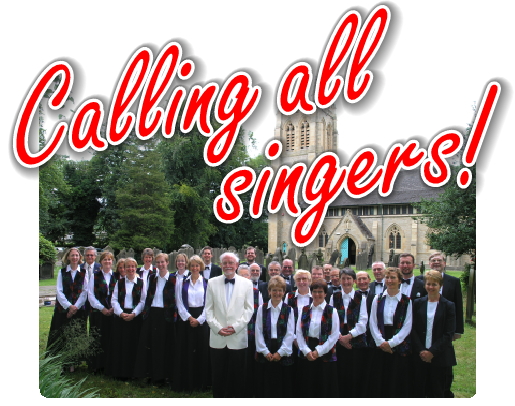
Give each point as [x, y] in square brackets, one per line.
[348, 250]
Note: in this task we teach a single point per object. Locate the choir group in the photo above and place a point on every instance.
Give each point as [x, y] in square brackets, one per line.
[389, 338]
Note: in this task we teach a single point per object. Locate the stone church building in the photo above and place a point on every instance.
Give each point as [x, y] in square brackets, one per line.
[373, 224]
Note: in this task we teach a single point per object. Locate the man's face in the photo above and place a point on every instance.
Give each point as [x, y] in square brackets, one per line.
[362, 280]
[274, 270]
[229, 266]
[378, 272]
[255, 272]
[244, 273]
[327, 272]
[251, 256]
[287, 267]
[90, 256]
[437, 263]
[206, 256]
[335, 277]
[406, 266]
[317, 274]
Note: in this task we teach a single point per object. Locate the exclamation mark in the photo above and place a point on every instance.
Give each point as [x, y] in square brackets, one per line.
[486, 110]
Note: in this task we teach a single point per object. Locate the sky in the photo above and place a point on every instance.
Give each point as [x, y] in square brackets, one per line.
[432, 68]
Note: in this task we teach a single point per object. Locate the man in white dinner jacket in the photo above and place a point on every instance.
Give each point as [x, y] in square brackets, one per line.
[229, 308]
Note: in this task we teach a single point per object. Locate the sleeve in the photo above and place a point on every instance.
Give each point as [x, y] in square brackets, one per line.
[286, 347]
[114, 300]
[441, 343]
[209, 308]
[260, 339]
[376, 334]
[141, 305]
[361, 325]
[301, 343]
[60, 294]
[91, 295]
[405, 330]
[333, 338]
[202, 318]
[248, 309]
[83, 295]
[185, 315]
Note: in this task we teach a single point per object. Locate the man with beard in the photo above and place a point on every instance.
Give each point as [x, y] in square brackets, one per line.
[250, 256]
[410, 286]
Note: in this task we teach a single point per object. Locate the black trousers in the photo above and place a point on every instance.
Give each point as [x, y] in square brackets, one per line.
[227, 365]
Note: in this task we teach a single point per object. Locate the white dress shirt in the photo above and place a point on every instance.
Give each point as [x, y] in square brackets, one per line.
[314, 330]
[145, 272]
[229, 287]
[127, 303]
[60, 293]
[390, 306]
[93, 301]
[361, 325]
[406, 289]
[379, 288]
[207, 271]
[302, 300]
[158, 296]
[286, 346]
[195, 299]
[431, 310]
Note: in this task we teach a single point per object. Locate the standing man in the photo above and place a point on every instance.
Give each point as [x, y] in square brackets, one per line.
[211, 270]
[274, 269]
[377, 287]
[90, 254]
[335, 284]
[147, 269]
[410, 286]
[327, 267]
[287, 271]
[250, 256]
[229, 308]
[255, 274]
[317, 273]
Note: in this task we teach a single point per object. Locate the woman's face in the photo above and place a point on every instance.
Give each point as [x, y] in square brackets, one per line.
[74, 257]
[121, 269]
[347, 282]
[302, 282]
[276, 294]
[130, 269]
[194, 268]
[147, 260]
[432, 286]
[107, 264]
[318, 296]
[392, 280]
[162, 264]
[180, 264]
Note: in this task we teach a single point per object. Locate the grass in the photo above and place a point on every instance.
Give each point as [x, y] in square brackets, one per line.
[464, 385]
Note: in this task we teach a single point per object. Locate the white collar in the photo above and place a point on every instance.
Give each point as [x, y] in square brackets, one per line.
[320, 306]
[69, 268]
[270, 305]
[163, 277]
[300, 294]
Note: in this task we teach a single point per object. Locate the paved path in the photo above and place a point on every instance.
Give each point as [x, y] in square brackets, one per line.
[46, 293]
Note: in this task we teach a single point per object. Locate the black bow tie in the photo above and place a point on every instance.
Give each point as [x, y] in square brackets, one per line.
[286, 278]
[206, 268]
[229, 281]
[379, 283]
[406, 281]
[337, 288]
[365, 293]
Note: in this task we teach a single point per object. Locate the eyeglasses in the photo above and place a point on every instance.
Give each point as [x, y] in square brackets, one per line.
[436, 260]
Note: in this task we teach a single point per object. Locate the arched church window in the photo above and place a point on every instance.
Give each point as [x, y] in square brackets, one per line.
[304, 135]
[323, 239]
[290, 137]
[394, 238]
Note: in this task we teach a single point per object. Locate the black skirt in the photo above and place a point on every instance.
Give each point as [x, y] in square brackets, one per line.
[156, 348]
[125, 339]
[326, 383]
[62, 326]
[100, 328]
[193, 361]
[277, 378]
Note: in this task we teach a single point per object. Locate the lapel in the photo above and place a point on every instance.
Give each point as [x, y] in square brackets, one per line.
[439, 313]
[446, 285]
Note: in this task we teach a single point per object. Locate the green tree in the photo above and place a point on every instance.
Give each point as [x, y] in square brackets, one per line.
[451, 218]
[145, 216]
[46, 250]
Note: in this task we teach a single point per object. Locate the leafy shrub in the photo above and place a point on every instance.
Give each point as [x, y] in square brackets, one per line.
[46, 250]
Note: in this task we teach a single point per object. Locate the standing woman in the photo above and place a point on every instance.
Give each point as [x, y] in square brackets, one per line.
[72, 288]
[100, 290]
[156, 348]
[317, 333]
[120, 269]
[434, 324]
[128, 301]
[193, 369]
[352, 313]
[147, 269]
[181, 263]
[390, 324]
[275, 324]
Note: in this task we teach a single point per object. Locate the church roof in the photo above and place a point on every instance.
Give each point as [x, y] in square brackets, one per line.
[408, 188]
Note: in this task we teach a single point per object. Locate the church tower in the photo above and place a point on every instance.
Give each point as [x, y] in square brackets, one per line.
[304, 137]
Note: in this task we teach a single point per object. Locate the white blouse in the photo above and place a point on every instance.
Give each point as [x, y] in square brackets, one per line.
[128, 304]
[195, 298]
[431, 311]
[93, 301]
[286, 347]
[361, 325]
[60, 293]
